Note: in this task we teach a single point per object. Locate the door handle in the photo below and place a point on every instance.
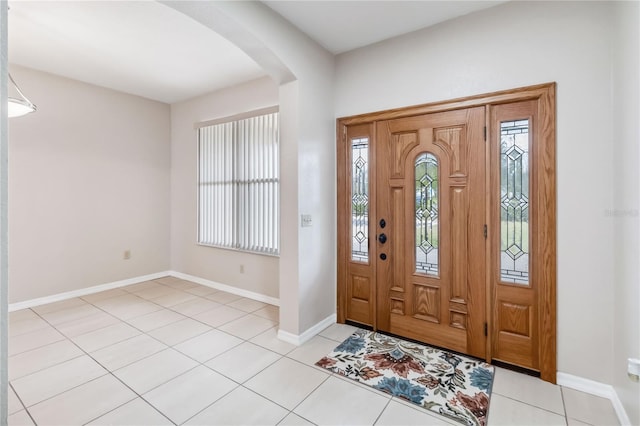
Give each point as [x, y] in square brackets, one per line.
[382, 238]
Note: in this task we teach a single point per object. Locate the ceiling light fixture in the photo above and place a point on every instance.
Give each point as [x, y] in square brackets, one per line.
[19, 106]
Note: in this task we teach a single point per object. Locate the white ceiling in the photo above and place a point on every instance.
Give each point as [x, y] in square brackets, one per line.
[341, 26]
[140, 47]
[148, 49]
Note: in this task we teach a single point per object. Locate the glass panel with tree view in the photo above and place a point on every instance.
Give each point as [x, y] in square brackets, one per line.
[426, 214]
[360, 200]
[514, 201]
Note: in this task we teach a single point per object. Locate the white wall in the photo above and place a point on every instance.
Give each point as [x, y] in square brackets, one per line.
[308, 257]
[508, 46]
[88, 179]
[625, 213]
[308, 261]
[304, 71]
[261, 273]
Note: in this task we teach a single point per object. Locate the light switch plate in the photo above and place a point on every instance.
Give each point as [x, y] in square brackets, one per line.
[305, 220]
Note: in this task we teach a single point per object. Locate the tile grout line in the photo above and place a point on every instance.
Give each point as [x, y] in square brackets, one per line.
[112, 373]
[310, 393]
[38, 316]
[290, 411]
[209, 310]
[24, 407]
[172, 347]
[242, 385]
[167, 347]
[213, 402]
[178, 343]
[238, 384]
[217, 372]
[81, 334]
[382, 412]
[143, 300]
[162, 307]
[163, 383]
[47, 367]
[264, 347]
[243, 340]
[564, 407]
[567, 417]
[251, 377]
[71, 339]
[127, 402]
[109, 372]
[200, 363]
[37, 347]
[531, 405]
[256, 393]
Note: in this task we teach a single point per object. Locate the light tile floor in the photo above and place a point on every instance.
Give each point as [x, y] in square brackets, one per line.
[172, 352]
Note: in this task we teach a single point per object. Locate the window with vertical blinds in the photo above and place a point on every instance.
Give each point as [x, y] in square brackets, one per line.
[238, 194]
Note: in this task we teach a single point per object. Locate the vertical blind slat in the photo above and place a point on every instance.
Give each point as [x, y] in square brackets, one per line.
[238, 178]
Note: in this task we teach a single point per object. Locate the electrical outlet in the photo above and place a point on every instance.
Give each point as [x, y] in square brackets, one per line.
[127, 255]
[633, 369]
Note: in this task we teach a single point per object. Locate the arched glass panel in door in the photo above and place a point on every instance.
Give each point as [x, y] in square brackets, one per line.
[426, 214]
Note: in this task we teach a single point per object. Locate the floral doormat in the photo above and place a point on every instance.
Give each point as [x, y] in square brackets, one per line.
[451, 385]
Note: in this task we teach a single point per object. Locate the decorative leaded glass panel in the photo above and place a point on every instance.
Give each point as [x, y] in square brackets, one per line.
[514, 201]
[426, 174]
[360, 200]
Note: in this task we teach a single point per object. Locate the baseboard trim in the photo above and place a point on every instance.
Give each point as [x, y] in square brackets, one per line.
[619, 408]
[595, 388]
[135, 280]
[229, 289]
[299, 339]
[84, 291]
[563, 379]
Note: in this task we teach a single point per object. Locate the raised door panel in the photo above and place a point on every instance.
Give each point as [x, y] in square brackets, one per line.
[515, 341]
[426, 303]
[360, 298]
[425, 192]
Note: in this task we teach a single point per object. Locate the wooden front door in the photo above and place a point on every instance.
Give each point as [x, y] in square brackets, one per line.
[431, 201]
[446, 225]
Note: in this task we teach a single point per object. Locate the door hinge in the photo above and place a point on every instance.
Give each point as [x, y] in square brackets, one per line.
[485, 133]
[485, 231]
[486, 329]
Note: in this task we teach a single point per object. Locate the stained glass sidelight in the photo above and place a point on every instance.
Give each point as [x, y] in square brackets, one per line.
[360, 200]
[426, 174]
[514, 201]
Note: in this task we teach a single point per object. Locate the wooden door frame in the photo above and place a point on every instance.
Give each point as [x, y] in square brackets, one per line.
[545, 128]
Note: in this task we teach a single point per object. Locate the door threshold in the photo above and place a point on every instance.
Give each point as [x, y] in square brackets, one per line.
[495, 362]
[440, 348]
[357, 324]
[515, 368]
